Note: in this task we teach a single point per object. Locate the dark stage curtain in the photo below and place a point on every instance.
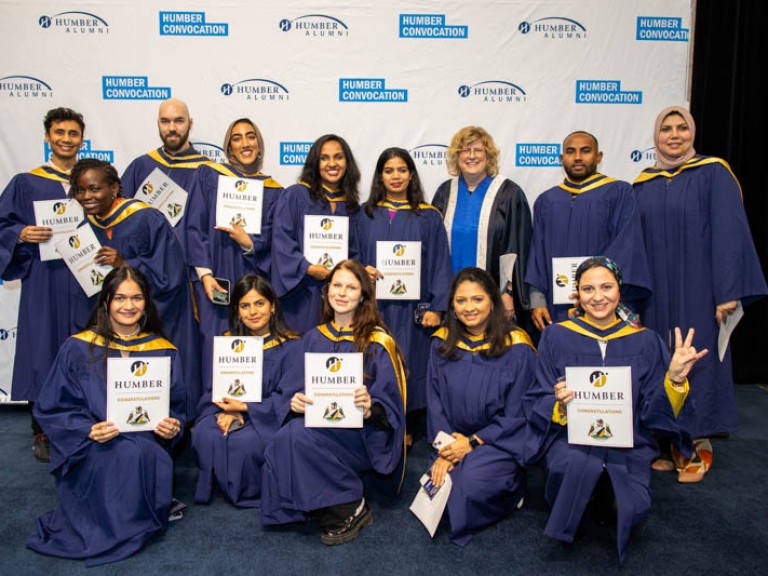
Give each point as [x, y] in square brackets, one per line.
[726, 102]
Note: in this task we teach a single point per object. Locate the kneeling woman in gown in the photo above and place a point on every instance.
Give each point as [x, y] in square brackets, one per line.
[480, 367]
[230, 436]
[616, 481]
[320, 470]
[114, 489]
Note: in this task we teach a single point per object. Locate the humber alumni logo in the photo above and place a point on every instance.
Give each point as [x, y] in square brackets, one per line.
[256, 90]
[25, 87]
[6, 333]
[498, 91]
[554, 28]
[238, 345]
[647, 155]
[74, 241]
[213, 152]
[75, 22]
[316, 26]
[429, 154]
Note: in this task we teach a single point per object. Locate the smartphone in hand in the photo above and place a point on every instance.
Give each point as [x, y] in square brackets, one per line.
[220, 297]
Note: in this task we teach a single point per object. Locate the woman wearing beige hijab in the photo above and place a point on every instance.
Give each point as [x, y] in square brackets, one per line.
[703, 267]
[227, 252]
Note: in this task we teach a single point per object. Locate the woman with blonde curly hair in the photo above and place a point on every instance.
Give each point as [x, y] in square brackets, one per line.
[487, 217]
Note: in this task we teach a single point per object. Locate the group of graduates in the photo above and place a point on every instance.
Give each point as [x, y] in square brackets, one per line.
[481, 352]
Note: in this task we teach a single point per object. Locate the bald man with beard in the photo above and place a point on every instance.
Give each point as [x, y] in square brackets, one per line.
[176, 158]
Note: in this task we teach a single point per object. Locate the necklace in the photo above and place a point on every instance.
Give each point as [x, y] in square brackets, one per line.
[138, 329]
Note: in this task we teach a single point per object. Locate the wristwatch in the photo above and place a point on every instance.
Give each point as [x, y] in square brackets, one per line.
[474, 442]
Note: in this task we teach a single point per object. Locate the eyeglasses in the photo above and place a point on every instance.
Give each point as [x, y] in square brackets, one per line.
[472, 151]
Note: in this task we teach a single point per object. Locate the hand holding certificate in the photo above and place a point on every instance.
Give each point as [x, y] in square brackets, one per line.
[79, 251]
[138, 393]
[239, 203]
[564, 278]
[600, 411]
[331, 382]
[237, 368]
[400, 264]
[62, 217]
[326, 239]
[430, 502]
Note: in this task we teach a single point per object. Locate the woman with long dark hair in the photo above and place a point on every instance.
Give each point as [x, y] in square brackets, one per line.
[319, 471]
[480, 366]
[328, 186]
[128, 478]
[230, 436]
[396, 212]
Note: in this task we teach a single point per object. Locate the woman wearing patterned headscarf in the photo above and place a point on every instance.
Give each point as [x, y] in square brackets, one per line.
[702, 263]
[611, 484]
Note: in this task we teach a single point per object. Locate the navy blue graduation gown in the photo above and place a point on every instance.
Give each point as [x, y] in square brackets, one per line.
[145, 240]
[475, 394]
[235, 461]
[128, 480]
[215, 250]
[700, 254]
[181, 169]
[573, 470]
[311, 468]
[52, 305]
[436, 274]
[594, 218]
[300, 294]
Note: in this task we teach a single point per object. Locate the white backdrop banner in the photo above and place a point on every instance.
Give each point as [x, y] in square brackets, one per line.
[380, 74]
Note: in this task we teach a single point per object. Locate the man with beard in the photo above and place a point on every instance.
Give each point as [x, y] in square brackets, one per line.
[585, 215]
[176, 159]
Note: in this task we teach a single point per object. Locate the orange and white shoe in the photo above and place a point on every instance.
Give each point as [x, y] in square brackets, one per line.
[692, 470]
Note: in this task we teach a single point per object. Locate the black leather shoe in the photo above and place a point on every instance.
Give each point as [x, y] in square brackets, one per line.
[349, 529]
[40, 447]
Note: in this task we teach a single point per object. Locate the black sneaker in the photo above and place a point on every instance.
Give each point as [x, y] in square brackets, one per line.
[349, 529]
[41, 448]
